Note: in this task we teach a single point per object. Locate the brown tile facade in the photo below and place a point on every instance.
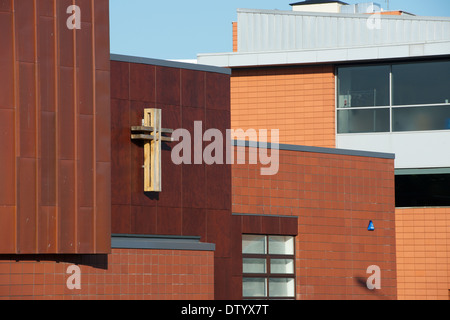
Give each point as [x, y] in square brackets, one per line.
[55, 137]
[184, 187]
[196, 199]
[71, 175]
[125, 274]
[333, 197]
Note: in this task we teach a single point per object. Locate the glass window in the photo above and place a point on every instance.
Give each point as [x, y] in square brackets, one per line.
[281, 245]
[281, 266]
[281, 287]
[421, 118]
[254, 287]
[254, 265]
[417, 98]
[365, 86]
[268, 267]
[253, 244]
[363, 120]
[421, 83]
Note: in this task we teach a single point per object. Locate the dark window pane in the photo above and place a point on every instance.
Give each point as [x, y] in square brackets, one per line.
[421, 118]
[359, 121]
[421, 83]
[366, 86]
[429, 190]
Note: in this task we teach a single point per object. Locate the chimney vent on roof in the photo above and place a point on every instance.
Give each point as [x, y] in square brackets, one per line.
[318, 6]
[368, 7]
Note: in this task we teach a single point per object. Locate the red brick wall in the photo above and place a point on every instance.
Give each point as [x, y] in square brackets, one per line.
[123, 275]
[334, 198]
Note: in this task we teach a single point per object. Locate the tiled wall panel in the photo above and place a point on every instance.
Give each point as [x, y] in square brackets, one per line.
[125, 274]
[298, 101]
[194, 197]
[423, 253]
[334, 198]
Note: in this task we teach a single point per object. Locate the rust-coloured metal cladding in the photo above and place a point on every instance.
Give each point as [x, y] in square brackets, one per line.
[55, 129]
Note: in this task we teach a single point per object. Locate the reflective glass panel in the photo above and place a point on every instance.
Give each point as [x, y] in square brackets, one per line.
[282, 266]
[254, 287]
[421, 118]
[254, 265]
[281, 288]
[364, 120]
[366, 86]
[421, 83]
[281, 245]
[253, 244]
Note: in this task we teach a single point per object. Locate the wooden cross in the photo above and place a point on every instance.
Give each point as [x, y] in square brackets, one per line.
[152, 134]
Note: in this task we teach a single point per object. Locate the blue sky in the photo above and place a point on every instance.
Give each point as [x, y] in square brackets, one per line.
[181, 29]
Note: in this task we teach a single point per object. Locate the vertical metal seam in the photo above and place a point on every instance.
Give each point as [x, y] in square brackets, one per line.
[94, 129]
[16, 133]
[37, 113]
[76, 129]
[56, 97]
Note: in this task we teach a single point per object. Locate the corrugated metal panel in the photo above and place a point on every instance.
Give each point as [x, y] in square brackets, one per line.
[265, 31]
[55, 137]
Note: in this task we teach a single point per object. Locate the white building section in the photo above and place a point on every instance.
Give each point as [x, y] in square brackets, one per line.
[429, 149]
[290, 38]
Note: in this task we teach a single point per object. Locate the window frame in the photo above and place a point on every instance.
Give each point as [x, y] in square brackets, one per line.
[268, 275]
[391, 105]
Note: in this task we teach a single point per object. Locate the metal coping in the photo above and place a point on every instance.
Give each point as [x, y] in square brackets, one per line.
[263, 215]
[170, 64]
[421, 171]
[290, 147]
[156, 242]
[341, 15]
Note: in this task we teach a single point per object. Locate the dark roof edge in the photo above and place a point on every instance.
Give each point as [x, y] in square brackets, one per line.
[149, 242]
[291, 147]
[169, 63]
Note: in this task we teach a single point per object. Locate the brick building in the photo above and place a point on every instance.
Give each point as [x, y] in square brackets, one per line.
[332, 75]
[78, 222]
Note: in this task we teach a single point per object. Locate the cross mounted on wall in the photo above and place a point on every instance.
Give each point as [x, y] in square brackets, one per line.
[152, 134]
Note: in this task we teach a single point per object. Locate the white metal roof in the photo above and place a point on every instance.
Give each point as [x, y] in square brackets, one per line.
[267, 37]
